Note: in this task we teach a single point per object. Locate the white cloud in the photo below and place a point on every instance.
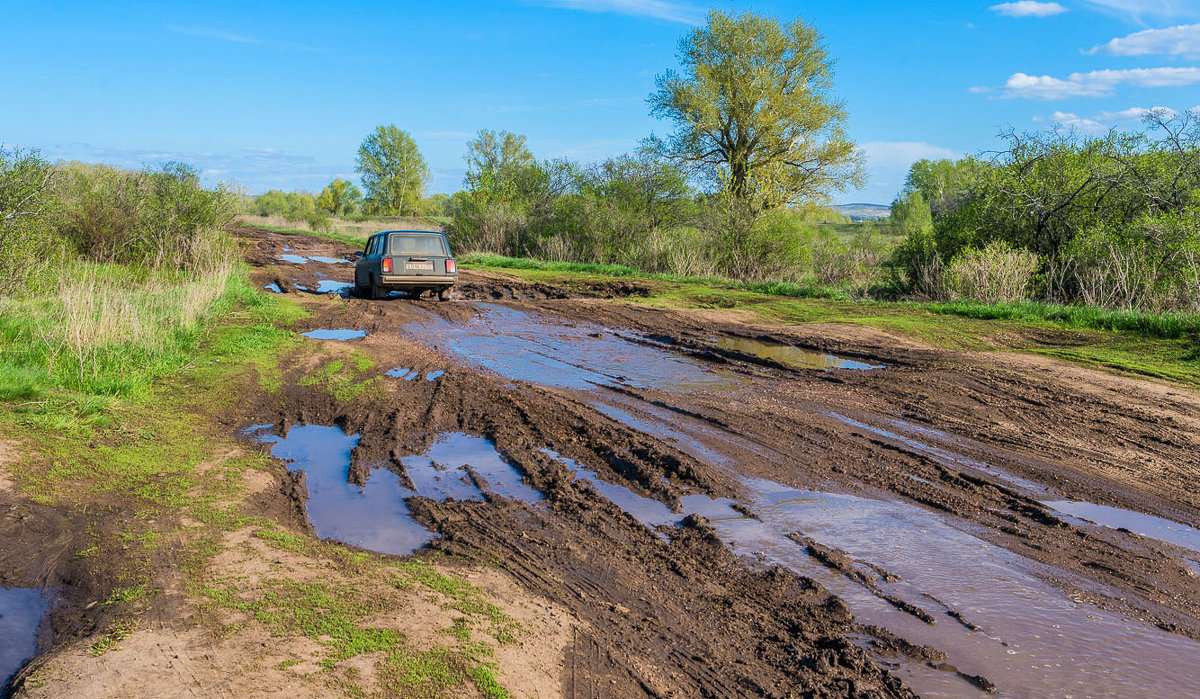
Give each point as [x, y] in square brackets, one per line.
[1183, 40]
[668, 10]
[1103, 121]
[1028, 8]
[888, 163]
[1154, 8]
[1097, 83]
[214, 34]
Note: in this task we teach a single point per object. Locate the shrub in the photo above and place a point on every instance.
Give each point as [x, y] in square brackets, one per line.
[916, 267]
[162, 219]
[27, 206]
[997, 273]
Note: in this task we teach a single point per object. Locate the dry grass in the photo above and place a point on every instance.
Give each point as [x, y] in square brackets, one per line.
[339, 226]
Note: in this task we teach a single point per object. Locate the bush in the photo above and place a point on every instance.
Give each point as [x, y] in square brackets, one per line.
[162, 219]
[996, 274]
[27, 206]
[916, 267]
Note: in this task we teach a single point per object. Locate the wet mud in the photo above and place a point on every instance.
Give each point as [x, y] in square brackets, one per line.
[745, 510]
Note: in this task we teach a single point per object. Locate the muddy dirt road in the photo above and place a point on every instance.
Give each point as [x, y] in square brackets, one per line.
[741, 509]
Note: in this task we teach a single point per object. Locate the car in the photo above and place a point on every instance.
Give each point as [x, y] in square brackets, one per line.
[411, 261]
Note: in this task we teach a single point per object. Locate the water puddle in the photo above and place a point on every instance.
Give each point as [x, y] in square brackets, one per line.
[343, 334]
[527, 347]
[273, 287]
[1116, 518]
[402, 373]
[330, 286]
[1028, 637]
[791, 355]
[21, 613]
[434, 375]
[375, 516]
[302, 260]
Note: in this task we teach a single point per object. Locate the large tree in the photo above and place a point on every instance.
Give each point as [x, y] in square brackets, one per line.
[500, 167]
[392, 171]
[754, 110]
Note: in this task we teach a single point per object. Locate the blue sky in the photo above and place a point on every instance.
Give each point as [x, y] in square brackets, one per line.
[279, 95]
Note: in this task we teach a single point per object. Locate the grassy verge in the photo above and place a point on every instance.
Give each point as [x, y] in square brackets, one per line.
[156, 488]
[1145, 344]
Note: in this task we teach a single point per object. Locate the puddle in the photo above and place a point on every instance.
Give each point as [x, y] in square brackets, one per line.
[1034, 640]
[21, 612]
[791, 355]
[329, 286]
[302, 260]
[1146, 525]
[375, 516]
[273, 287]
[295, 259]
[342, 334]
[527, 347]
[434, 375]
[402, 373]
[328, 260]
[442, 471]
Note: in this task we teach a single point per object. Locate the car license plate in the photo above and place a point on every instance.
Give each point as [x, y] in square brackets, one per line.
[422, 266]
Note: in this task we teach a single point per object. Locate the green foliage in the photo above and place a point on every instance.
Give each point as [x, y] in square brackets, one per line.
[911, 215]
[28, 245]
[500, 169]
[339, 198]
[160, 219]
[997, 273]
[754, 111]
[393, 172]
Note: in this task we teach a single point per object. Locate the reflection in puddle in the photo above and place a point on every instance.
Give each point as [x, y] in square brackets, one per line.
[21, 612]
[1136, 522]
[375, 516]
[527, 347]
[294, 259]
[273, 287]
[401, 372]
[790, 355]
[329, 286]
[328, 260]
[434, 375]
[342, 334]
[302, 260]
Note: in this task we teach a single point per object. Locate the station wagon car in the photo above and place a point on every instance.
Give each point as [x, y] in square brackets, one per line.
[411, 261]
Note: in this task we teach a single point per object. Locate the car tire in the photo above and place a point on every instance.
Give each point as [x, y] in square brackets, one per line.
[444, 294]
[376, 291]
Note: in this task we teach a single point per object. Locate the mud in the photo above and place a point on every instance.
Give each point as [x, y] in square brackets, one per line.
[728, 523]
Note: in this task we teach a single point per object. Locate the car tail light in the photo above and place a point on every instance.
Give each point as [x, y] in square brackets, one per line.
[451, 267]
[387, 265]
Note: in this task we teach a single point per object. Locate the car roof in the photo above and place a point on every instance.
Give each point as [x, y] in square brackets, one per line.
[406, 231]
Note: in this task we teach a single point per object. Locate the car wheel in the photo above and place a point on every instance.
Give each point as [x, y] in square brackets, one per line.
[377, 292]
[444, 294]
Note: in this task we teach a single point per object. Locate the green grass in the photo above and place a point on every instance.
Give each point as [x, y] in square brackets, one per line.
[343, 378]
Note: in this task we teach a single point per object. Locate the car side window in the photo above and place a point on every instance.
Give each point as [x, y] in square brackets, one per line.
[373, 247]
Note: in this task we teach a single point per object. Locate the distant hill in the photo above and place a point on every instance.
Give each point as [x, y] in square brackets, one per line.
[864, 212]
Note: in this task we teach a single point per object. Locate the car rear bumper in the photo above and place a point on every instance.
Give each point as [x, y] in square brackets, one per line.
[417, 280]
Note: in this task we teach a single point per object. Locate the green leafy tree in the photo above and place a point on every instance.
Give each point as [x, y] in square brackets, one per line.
[339, 197]
[754, 110]
[393, 172]
[911, 214]
[500, 168]
[273, 202]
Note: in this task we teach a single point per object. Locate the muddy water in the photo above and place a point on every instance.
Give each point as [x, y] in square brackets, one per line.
[375, 516]
[341, 334]
[1032, 639]
[21, 612]
[330, 286]
[527, 347]
[1145, 525]
[790, 355]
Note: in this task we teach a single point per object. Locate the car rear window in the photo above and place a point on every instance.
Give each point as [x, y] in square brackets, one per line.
[417, 245]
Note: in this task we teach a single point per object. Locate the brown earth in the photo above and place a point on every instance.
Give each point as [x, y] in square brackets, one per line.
[677, 612]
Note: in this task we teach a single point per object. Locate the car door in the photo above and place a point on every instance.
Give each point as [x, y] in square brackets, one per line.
[363, 268]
